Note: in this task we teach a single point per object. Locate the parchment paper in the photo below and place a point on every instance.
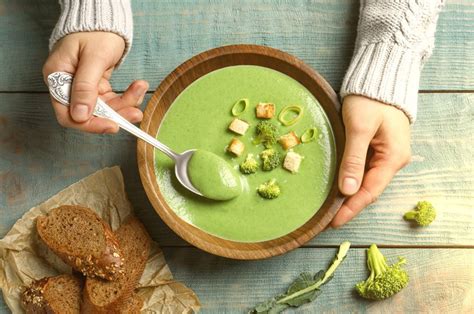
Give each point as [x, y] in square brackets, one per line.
[23, 259]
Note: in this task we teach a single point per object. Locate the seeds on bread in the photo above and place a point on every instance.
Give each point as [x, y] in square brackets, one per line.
[112, 296]
[82, 240]
[57, 295]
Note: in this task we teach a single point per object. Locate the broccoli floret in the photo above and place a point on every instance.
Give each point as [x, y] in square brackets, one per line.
[270, 159]
[269, 189]
[423, 214]
[267, 133]
[249, 165]
[384, 280]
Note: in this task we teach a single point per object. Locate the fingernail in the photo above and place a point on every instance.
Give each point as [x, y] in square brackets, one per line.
[140, 90]
[141, 94]
[349, 185]
[80, 112]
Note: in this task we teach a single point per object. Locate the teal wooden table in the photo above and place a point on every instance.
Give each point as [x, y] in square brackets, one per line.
[39, 158]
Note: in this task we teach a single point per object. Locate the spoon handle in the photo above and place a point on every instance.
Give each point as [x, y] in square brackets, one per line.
[60, 86]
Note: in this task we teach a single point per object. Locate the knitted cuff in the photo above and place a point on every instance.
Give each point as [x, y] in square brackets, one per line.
[385, 72]
[95, 15]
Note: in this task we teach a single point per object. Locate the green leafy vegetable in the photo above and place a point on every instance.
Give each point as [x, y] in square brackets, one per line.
[269, 189]
[239, 107]
[270, 159]
[309, 135]
[424, 214]
[267, 134]
[249, 165]
[384, 280]
[305, 288]
[297, 114]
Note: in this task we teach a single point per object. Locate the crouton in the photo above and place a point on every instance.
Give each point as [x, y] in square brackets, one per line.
[236, 147]
[289, 140]
[265, 110]
[292, 161]
[239, 126]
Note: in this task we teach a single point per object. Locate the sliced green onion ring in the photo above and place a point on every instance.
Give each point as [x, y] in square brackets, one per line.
[298, 110]
[309, 135]
[239, 107]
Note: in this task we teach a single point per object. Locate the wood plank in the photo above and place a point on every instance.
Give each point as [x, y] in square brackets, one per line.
[441, 280]
[321, 33]
[39, 158]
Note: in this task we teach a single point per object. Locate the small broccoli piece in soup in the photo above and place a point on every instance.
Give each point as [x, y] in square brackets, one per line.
[249, 165]
[270, 159]
[267, 133]
[269, 189]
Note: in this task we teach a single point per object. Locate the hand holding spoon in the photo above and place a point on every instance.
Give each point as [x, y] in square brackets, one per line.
[60, 87]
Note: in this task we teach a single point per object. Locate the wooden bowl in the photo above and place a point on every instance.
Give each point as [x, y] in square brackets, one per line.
[182, 77]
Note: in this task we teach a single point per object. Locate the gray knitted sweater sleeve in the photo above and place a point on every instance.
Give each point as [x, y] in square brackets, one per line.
[95, 15]
[394, 39]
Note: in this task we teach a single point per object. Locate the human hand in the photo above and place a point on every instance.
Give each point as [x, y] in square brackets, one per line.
[91, 57]
[377, 146]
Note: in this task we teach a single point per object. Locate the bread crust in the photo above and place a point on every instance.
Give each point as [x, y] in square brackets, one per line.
[109, 265]
[33, 298]
[134, 266]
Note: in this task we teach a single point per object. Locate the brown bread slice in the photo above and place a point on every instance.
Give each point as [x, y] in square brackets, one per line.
[102, 296]
[57, 295]
[82, 240]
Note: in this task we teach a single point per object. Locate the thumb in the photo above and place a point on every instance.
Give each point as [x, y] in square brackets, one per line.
[85, 87]
[352, 167]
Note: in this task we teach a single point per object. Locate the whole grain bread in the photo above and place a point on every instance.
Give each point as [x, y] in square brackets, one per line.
[82, 240]
[57, 295]
[100, 296]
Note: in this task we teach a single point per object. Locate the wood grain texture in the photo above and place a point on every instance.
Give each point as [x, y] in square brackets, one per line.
[441, 280]
[39, 158]
[320, 32]
[175, 83]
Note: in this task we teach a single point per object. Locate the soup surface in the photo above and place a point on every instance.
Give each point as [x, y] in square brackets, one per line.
[199, 119]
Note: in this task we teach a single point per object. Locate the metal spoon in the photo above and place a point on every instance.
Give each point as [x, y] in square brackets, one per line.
[60, 87]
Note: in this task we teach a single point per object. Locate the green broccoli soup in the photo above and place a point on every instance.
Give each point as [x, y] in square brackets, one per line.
[272, 132]
[211, 175]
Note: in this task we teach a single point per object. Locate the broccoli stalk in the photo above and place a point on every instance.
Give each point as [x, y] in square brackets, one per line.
[249, 165]
[424, 214]
[267, 134]
[384, 280]
[270, 159]
[269, 189]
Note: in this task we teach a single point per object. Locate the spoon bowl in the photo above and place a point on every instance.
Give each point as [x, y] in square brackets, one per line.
[181, 170]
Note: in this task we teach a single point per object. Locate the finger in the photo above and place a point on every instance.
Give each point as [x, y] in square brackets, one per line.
[85, 87]
[132, 114]
[375, 181]
[107, 97]
[135, 93]
[132, 97]
[104, 86]
[352, 167]
[93, 125]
